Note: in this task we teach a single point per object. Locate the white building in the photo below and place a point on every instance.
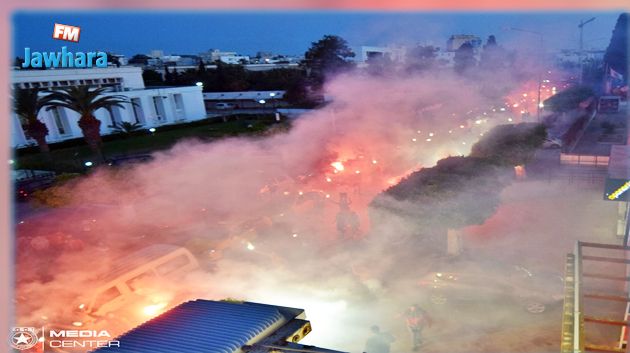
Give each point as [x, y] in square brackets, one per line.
[395, 54]
[153, 106]
[568, 57]
[234, 59]
[457, 40]
[445, 58]
[213, 55]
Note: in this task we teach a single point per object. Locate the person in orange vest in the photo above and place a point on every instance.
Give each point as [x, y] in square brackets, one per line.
[416, 319]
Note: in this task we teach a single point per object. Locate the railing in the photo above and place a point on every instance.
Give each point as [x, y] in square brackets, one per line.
[576, 159]
[567, 336]
[578, 320]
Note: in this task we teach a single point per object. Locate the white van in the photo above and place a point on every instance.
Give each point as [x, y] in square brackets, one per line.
[139, 286]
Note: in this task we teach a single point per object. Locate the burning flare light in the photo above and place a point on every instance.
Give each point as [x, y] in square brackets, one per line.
[154, 309]
[338, 166]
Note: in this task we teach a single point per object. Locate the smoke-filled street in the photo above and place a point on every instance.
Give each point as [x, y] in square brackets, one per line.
[421, 200]
[263, 218]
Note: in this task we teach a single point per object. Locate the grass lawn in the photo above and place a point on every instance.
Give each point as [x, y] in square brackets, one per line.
[71, 158]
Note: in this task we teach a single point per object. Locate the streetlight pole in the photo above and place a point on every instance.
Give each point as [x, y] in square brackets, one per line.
[540, 36]
[581, 53]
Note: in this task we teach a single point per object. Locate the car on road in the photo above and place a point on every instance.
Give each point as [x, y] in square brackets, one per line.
[224, 106]
[552, 143]
[463, 281]
[129, 160]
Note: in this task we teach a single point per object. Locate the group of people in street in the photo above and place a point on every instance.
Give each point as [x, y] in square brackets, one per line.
[416, 320]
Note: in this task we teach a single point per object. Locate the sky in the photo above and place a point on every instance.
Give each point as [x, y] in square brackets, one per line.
[292, 32]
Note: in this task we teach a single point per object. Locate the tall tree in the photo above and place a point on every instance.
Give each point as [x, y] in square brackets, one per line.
[201, 68]
[493, 56]
[85, 102]
[421, 58]
[152, 78]
[464, 58]
[18, 62]
[169, 77]
[111, 59]
[231, 78]
[616, 55]
[27, 103]
[139, 59]
[330, 55]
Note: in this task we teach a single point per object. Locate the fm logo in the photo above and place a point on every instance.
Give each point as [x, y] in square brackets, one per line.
[66, 32]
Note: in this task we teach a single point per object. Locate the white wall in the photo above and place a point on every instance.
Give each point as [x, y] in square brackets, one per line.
[193, 109]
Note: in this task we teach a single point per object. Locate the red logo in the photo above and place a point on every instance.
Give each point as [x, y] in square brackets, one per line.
[66, 32]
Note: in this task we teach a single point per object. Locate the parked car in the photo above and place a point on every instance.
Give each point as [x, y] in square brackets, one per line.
[224, 106]
[129, 160]
[467, 281]
[552, 143]
[28, 181]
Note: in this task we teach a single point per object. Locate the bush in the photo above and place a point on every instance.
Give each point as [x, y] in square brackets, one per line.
[568, 99]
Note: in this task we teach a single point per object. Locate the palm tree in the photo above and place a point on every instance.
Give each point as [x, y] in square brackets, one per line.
[86, 101]
[26, 104]
[125, 128]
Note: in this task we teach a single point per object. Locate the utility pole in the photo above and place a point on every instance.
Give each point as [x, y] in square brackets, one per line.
[581, 53]
[542, 60]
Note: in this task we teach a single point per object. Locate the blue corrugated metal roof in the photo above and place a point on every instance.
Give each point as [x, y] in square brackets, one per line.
[200, 326]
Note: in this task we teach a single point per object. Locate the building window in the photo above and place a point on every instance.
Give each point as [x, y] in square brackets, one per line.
[114, 114]
[158, 105]
[138, 114]
[179, 106]
[59, 121]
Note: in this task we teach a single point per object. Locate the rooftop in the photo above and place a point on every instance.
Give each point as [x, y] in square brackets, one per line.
[206, 326]
[74, 71]
[244, 95]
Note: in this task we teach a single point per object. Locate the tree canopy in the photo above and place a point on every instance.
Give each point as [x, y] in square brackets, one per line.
[616, 55]
[421, 58]
[510, 145]
[494, 56]
[461, 191]
[329, 55]
[464, 58]
[568, 99]
[458, 191]
[27, 103]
